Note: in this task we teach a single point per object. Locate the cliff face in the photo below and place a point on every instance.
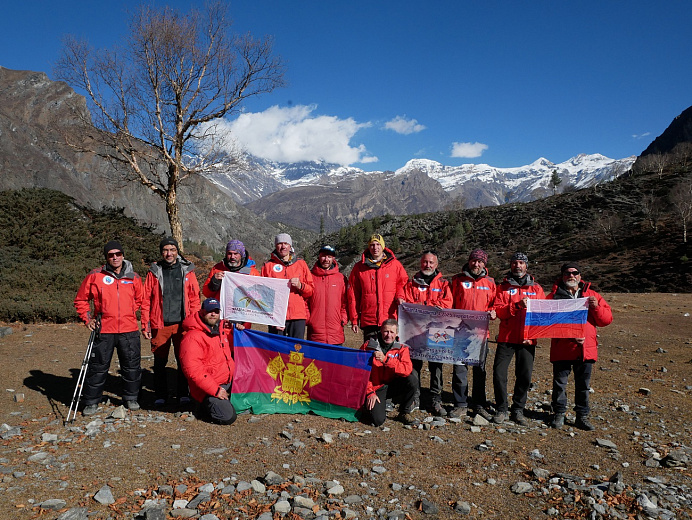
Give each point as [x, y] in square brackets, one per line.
[678, 132]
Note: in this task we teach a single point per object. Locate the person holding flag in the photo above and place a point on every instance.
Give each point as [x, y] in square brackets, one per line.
[576, 354]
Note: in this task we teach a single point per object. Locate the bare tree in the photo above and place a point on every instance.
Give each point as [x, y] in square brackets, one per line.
[610, 224]
[681, 198]
[155, 100]
[651, 207]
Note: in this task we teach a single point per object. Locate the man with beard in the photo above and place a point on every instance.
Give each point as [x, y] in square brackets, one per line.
[576, 354]
[473, 290]
[116, 291]
[171, 294]
[283, 263]
[427, 287]
[237, 260]
[327, 304]
[207, 362]
[375, 288]
[510, 304]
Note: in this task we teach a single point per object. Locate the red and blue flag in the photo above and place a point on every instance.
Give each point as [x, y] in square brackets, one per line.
[556, 318]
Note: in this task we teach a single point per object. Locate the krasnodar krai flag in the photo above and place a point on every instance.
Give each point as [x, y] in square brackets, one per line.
[254, 299]
[556, 318]
[278, 374]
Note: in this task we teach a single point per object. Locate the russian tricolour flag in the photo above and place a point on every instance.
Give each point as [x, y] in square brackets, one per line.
[556, 318]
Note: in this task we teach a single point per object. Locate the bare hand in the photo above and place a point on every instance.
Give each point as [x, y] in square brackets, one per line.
[354, 328]
[493, 314]
[240, 326]
[219, 275]
[379, 356]
[295, 282]
[91, 324]
[371, 401]
[146, 334]
[222, 394]
[593, 302]
[579, 341]
[522, 303]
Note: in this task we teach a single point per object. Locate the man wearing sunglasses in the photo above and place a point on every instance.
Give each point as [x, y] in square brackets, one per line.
[576, 354]
[116, 291]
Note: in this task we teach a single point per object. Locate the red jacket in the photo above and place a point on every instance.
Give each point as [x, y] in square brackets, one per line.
[512, 318]
[247, 267]
[206, 358]
[373, 291]
[397, 364]
[152, 304]
[294, 268]
[437, 294]
[117, 300]
[327, 306]
[473, 294]
[566, 349]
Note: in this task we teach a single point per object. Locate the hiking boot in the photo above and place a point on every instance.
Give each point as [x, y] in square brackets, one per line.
[159, 402]
[500, 417]
[415, 405]
[389, 406]
[558, 421]
[583, 423]
[407, 419]
[458, 411]
[437, 409]
[518, 417]
[90, 409]
[132, 405]
[479, 410]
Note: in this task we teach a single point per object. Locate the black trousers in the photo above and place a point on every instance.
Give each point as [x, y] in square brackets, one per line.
[129, 354]
[582, 380]
[523, 368]
[293, 329]
[219, 411]
[399, 389]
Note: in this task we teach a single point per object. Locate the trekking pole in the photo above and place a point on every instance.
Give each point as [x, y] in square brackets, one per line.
[77, 395]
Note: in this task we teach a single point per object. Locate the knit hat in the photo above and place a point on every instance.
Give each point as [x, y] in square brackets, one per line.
[237, 246]
[376, 238]
[570, 265]
[283, 237]
[479, 254]
[519, 256]
[113, 244]
[168, 241]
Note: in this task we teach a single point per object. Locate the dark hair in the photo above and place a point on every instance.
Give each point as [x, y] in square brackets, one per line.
[390, 322]
[428, 252]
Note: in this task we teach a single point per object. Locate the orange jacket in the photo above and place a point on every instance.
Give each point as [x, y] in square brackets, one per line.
[512, 318]
[327, 306]
[437, 294]
[152, 304]
[294, 268]
[373, 291]
[397, 364]
[473, 294]
[247, 267]
[206, 358]
[117, 300]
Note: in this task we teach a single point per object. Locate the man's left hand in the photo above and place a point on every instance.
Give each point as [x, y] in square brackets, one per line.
[593, 302]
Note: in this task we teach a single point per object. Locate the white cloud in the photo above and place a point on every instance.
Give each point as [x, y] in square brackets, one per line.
[468, 150]
[641, 136]
[292, 134]
[401, 125]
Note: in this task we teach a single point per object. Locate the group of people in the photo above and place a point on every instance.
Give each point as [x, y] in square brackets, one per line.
[322, 302]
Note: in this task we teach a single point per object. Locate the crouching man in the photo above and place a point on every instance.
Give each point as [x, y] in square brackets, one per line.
[391, 376]
[205, 354]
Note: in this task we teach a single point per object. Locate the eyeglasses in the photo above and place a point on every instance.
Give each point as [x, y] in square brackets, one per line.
[572, 273]
[115, 255]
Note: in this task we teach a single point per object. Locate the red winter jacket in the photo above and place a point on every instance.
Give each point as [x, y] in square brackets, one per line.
[397, 364]
[437, 294]
[566, 349]
[473, 294]
[327, 306]
[373, 291]
[117, 300]
[247, 267]
[206, 359]
[294, 268]
[152, 304]
[512, 318]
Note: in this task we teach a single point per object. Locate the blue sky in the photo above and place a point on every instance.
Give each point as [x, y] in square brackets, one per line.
[375, 84]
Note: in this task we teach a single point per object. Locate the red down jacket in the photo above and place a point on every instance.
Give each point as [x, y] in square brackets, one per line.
[473, 294]
[512, 318]
[437, 294]
[294, 268]
[397, 364]
[327, 306]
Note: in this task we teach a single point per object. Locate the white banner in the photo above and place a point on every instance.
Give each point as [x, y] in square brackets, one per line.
[254, 299]
[444, 335]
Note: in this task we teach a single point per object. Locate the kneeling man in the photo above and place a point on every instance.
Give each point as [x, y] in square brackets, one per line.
[207, 361]
[391, 376]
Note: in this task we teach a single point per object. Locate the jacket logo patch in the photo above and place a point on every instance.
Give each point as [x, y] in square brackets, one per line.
[108, 280]
[530, 293]
[278, 268]
[126, 282]
[422, 289]
[512, 292]
[436, 290]
[467, 285]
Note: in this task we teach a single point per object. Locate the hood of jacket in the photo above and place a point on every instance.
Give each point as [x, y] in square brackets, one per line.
[389, 256]
[194, 322]
[320, 271]
[126, 271]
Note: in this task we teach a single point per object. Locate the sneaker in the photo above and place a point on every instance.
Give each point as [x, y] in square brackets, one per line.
[438, 410]
[406, 419]
[500, 417]
[159, 402]
[415, 405]
[90, 409]
[389, 406]
[558, 421]
[479, 410]
[132, 405]
[518, 417]
[458, 411]
[583, 424]
[185, 400]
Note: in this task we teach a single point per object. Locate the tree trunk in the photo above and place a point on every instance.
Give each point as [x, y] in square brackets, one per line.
[173, 218]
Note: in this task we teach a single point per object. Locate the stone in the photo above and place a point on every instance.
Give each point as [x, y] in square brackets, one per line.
[183, 513]
[18, 398]
[209, 516]
[428, 507]
[104, 496]
[75, 513]
[379, 470]
[282, 507]
[180, 504]
[258, 487]
[304, 502]
[336, 490]
[155, 513]
[49, 437]
[273, 479]
[199, 499]
[541, 473]
[53, 504]
[520, 488]
[479, 420]
[605, 443]
[119, 413]
[462, 507]
[5, 331]
[327, 438]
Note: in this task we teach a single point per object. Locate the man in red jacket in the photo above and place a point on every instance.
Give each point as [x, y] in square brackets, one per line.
[284, 263]
[510, 304]
[327, 304]
[207, 361]
[171, 294]
[375, 288]
[473, 290]
[116, 291]
[237, 260]
[427, 287]
[578, 354]
[391, 376]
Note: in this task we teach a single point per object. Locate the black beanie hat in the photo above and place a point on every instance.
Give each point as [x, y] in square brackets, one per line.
[168, 241]
[113, 244]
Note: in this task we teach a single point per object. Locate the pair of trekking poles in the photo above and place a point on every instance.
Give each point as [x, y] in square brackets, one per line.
[77, 395]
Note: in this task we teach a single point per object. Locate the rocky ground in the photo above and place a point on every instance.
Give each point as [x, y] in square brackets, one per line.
[156, 464]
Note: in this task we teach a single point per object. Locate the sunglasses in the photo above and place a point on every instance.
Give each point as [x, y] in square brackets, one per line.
[573, 273]
[115, 255]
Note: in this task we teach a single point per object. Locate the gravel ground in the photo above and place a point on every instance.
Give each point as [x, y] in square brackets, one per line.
[156, 464]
